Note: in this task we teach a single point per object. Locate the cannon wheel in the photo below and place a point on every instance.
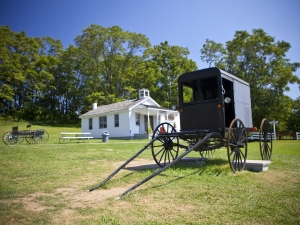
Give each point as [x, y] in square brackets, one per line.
[265, 140]
[237, 147]
[164, 149]
[41, 136]
[10, 138]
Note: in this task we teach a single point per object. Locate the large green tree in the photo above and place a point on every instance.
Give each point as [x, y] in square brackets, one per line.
[107, 56]
[25, 74]
[212, 52]
[261, 61]
[39, 80]
[172, 61]
[68, 85]
[293, 123]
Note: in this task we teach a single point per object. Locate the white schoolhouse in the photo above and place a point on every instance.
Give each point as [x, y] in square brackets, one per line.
[128, 119]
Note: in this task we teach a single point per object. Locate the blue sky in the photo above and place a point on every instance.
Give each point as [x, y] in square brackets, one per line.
[185, 23]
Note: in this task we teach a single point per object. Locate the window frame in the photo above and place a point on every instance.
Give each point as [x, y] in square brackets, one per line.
[117, 120]
[102, 122]
[90, 123]
[137, 119]
[200, 91]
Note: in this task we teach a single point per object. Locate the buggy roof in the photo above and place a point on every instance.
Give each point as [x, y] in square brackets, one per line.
[209, 72]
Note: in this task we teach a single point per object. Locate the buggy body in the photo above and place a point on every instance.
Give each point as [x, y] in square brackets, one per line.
[202, 104]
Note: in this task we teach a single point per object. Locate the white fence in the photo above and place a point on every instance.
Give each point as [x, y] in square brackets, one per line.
[255, 136]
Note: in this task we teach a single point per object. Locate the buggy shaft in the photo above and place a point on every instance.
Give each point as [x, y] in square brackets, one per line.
[169, 165]
[122, 166]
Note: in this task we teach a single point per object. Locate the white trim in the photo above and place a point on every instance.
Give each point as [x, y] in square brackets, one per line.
[104, 113]
[232, 77]
[140, 103]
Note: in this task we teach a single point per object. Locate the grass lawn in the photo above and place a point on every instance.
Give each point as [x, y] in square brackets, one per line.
[48, 183]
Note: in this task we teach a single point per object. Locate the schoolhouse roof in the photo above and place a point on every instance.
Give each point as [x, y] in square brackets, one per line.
[119, 106]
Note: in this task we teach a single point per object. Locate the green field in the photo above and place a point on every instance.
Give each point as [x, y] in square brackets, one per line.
[48, 183]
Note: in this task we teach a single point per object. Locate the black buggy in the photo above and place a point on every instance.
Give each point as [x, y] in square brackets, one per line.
[215, 112]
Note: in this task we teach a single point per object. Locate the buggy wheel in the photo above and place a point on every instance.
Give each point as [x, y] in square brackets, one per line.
[237, 145]
[41, 136]
[20, 139]
[208, 154]
[265, 140]
[9, 138]
[215, 141]
[29, 139]
[164, 149]
[5, 137]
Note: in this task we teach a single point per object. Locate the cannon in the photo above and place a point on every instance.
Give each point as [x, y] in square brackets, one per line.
[215, 112]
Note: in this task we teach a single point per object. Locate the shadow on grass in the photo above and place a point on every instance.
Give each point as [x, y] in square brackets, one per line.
[212, 168]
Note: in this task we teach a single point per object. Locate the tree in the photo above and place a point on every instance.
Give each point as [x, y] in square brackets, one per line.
[172, 61]
[9, 76]
[46, 67]
[212, 52]
[259, 60]
[293, 123]
[22, 73]
[28, 67]
[69, 87]
[106, 56]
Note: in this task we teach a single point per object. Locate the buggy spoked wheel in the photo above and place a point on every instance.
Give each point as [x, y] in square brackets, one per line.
[237, 145]
[209, 147]
[20, 139]
[30, 139]
[5, 137]
[164, 149]
[41, 136]
[9, 138]
[208, 154]
[265, 140]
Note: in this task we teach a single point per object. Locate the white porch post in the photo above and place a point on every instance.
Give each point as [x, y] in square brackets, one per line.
[156, 118]
[148, 117]
[274, 122]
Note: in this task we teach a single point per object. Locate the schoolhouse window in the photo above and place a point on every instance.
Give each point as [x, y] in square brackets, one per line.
[137, 119]
[90, 123]
[116, 120]
[102, 122]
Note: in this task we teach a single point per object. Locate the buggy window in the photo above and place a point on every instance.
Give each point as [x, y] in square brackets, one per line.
[190, 91]
[208, 88]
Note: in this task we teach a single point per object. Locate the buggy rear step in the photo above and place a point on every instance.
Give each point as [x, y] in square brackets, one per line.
[191, 148]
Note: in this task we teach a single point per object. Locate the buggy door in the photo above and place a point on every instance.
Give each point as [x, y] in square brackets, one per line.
[201, 102]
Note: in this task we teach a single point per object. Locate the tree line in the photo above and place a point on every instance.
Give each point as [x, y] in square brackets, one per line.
[42, 81]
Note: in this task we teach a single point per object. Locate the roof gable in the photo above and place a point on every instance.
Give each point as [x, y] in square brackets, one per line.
[120, 106]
